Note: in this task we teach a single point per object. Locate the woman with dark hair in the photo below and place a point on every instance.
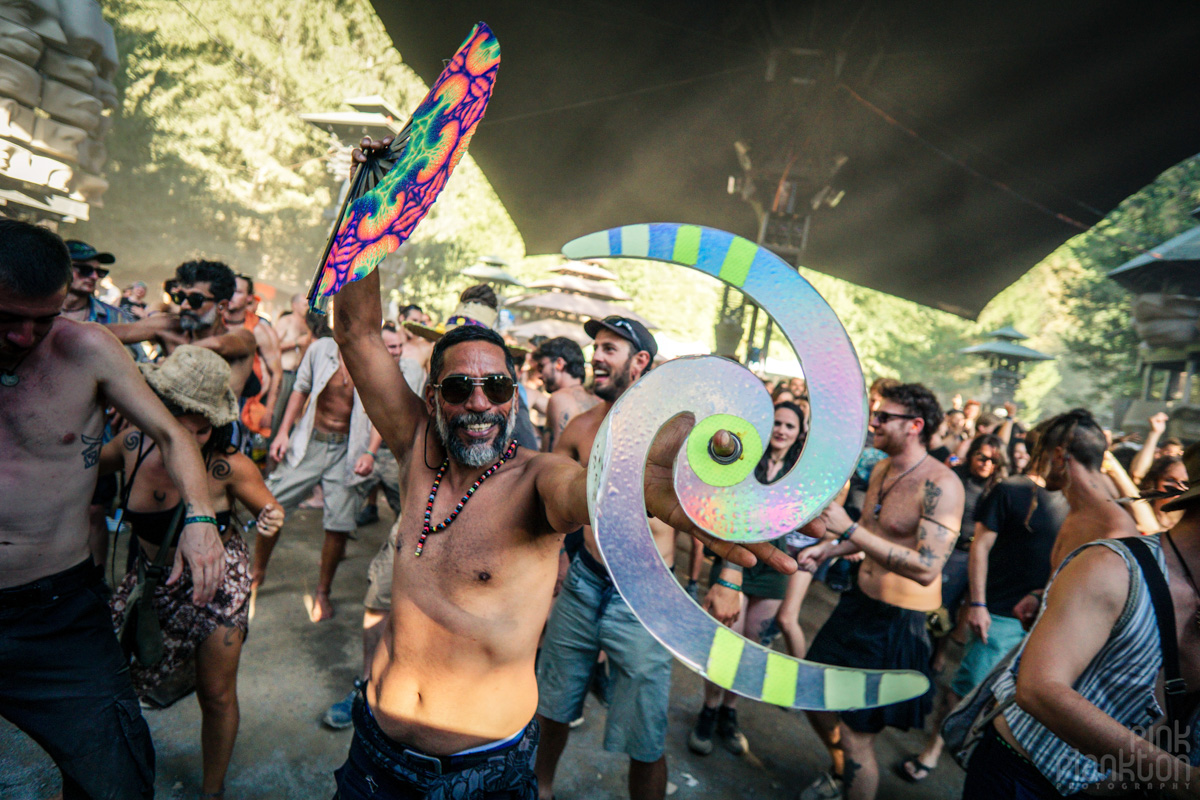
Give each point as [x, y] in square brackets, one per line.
[752, 600]
[194, 385]
[1167, 478]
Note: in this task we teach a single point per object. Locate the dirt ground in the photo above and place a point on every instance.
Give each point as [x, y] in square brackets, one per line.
[292, 670]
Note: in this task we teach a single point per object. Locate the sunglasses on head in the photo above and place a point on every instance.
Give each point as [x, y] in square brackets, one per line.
[457, 389]
[883, 417]
[87, 271]
[193, 299]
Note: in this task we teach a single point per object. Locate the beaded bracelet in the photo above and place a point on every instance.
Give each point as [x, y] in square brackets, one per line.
[728, 584]
[846, 534]
[190, 520]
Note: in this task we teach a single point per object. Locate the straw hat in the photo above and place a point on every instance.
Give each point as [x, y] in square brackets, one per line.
[196, 380]
[468, 313]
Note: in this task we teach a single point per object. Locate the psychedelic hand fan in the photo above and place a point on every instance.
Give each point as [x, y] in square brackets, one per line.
[391, 193]
[721, 496]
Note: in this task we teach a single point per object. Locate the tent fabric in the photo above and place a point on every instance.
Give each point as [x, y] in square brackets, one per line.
[972, 138]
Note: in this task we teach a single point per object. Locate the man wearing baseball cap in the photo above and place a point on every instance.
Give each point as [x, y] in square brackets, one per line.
[88, 268]
[590, 615]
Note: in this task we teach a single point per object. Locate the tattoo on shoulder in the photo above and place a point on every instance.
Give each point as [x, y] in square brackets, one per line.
[221, 469]
[930, 501]
[133, 440]
[91, 449]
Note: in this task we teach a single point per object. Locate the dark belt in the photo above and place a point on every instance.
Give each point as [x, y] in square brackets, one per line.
[389, 750]
[51, 587]
[601, 572]
[331, 438]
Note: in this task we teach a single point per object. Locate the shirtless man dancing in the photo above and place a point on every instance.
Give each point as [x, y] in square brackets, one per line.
[63, 677]
[909, 524]
[294, 338]
[448, 708]
[591, 616]
[560, 363]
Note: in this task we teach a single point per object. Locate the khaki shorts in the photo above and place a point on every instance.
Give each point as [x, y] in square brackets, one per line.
[324, 462]
[379, 574]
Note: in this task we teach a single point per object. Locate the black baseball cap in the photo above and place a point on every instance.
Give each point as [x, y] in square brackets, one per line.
[82, 251]
[629, 329]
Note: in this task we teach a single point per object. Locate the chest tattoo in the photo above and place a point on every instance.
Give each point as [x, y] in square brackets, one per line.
[91, 450]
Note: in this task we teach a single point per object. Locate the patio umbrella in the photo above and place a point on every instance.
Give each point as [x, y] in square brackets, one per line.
[585, 270]
[550, 328]
[575, 305]
[490, 274]
[576, 285]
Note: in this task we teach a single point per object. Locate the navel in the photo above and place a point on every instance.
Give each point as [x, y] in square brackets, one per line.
[485, 576]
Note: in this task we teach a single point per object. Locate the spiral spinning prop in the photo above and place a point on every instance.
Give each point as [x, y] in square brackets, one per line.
[722, 495]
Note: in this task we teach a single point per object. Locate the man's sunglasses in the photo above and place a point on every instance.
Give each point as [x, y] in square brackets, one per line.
[982, 459]
[193, 299]
[87, 271]
[457, 389]
[883, 417]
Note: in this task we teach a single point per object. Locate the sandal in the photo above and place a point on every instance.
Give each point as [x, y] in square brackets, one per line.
[913, 770]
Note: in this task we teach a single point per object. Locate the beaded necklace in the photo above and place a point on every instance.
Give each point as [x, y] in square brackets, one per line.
[426, 527]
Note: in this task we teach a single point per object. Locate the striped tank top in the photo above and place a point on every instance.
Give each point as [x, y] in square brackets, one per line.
[1119, 681]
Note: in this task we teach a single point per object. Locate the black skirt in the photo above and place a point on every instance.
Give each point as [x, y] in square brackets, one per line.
[865, 633]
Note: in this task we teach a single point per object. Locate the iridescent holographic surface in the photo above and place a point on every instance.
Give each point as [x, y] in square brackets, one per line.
[727, 500]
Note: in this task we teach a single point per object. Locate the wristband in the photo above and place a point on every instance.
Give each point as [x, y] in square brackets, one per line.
[190, 520]
[846, 534]
[728, 584]
[978, 605]
[371, 453]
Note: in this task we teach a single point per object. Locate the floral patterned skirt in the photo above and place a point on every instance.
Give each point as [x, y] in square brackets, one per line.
[186, 625]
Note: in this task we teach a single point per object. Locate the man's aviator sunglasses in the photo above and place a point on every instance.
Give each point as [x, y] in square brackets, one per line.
[457, 389]
[193, 299]
[87, 271]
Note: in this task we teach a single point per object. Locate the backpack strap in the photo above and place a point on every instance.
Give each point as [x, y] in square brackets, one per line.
[1174, 686]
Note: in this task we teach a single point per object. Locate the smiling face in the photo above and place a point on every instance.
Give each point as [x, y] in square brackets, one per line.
[476, 431]
[983, 463]
[785, 431]
[891, 436]
[614, 365]
[25, 322]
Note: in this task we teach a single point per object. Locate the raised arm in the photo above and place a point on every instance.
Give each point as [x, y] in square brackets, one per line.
[392, 407]
[1145, 457]
[937, 530]
[122, 386]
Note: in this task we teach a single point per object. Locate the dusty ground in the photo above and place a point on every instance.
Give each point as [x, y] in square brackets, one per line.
[292, 670]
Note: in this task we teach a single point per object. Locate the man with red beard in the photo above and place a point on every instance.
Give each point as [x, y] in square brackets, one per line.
[591, 616]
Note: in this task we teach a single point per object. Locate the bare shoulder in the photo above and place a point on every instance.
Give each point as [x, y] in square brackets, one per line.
[82, 341]
[231, 467]
[1097, 571]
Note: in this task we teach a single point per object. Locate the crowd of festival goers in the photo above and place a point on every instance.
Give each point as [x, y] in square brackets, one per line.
[1009, 560]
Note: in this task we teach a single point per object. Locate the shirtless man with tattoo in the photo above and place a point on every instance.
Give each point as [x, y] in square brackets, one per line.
[452, 692]
[63, 678]
[561, 366]
[589, 616]
[202, 291]
[909, 524]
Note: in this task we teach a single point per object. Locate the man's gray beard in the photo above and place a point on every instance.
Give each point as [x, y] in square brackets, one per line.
[474, 455]
[189, 322]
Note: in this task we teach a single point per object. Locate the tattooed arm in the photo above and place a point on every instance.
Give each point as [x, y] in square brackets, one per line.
[937, 530]
[557, 416]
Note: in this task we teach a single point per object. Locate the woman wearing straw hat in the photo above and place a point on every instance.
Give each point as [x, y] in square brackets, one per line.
[194, 385]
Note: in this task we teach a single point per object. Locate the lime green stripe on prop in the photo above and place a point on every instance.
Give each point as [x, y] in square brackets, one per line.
[845, 688]
[897, 686]
[712, 472]
[687, 245]
[723, 657]
[779, 682]
[736, 266]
